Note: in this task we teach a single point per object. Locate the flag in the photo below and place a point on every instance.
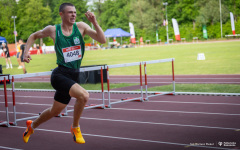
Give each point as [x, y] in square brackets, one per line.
[176, 29]
[232, 23]
[205, 32]
[164, 22]
[133, 40]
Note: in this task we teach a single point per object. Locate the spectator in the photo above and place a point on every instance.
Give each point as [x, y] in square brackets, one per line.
[22, 48]
[18, 53]
[7, 55]
[38, 49]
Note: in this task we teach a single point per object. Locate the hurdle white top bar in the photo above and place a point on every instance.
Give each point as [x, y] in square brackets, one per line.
[91, 68]
[158, 61]
[19, 76]
[124, 65]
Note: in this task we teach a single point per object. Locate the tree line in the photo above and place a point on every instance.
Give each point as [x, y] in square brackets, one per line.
[147, 17]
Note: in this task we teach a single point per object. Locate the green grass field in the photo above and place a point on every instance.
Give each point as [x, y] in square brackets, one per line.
[221, 58]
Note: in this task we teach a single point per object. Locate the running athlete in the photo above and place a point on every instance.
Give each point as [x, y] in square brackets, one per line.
[7, 55]
[69, 47]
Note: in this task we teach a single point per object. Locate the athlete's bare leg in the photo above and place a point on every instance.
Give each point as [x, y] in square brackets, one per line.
[47, 114]
[81, 96]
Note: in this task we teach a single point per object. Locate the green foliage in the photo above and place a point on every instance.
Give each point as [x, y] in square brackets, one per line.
[7, 8]
[210, 14]
[36, 17]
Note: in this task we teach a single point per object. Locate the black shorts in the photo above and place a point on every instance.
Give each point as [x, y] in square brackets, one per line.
[22, 58]
[7, 54]
[62, 79]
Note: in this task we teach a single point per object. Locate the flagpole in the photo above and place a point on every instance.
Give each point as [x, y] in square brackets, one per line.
[166, 21]
[220, 16]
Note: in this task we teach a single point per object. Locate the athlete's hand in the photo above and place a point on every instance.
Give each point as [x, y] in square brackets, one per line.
[27, 58]
[91, 17]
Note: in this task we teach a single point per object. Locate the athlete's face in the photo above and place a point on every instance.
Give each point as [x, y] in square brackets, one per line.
[69, 14]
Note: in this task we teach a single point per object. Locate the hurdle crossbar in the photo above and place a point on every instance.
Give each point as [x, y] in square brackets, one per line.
[20, 76]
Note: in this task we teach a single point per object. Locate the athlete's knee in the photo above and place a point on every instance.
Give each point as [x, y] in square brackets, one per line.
[84, 97]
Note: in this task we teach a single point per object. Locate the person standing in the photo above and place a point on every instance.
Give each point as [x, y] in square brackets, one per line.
[22, 48]
[18, 54]
[70, 47]
[7, 56]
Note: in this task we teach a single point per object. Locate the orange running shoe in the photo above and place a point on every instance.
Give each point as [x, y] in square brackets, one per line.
[77, 135]
[28, 131]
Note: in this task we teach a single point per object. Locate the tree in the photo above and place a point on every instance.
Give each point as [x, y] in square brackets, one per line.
[7, 8]
[112, 14]
[210, 14]
[33, 16]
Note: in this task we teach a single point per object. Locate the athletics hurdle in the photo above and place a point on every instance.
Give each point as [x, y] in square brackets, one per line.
[102, 90]
[13, 96]
[173, 79]
[6, 104]
[108, 83]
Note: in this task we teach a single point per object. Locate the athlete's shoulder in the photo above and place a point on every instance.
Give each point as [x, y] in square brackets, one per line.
[50, 28]
[82, 25]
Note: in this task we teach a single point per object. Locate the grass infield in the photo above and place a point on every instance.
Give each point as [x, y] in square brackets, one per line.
[221, 58]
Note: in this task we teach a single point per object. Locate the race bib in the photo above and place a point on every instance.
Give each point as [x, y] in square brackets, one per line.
[72, 53]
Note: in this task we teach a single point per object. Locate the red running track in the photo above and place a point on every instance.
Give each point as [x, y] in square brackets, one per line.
[165, 122]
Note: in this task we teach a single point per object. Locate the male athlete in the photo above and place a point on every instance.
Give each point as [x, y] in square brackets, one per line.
[69, 47]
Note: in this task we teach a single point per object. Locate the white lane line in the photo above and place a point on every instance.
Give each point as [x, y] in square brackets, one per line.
[203, 103]
[123, 138]
[3, 147]
[186, 112]
[158, 123]
[140, 122]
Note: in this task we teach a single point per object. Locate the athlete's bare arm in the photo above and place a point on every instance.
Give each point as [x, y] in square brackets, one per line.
[48, 31]
[85, 29]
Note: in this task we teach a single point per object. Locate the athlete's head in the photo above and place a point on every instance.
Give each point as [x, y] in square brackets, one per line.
[64, 5]
[67, 12]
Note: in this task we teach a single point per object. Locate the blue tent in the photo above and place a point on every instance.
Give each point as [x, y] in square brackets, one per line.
[2, 39]
[117, 32]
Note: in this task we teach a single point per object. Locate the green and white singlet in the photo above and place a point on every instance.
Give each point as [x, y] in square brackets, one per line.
[69, 49]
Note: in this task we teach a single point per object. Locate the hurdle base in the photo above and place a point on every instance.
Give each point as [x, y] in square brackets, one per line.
[100, 107]
[5, 125]
[137, 100]
[163, 93]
